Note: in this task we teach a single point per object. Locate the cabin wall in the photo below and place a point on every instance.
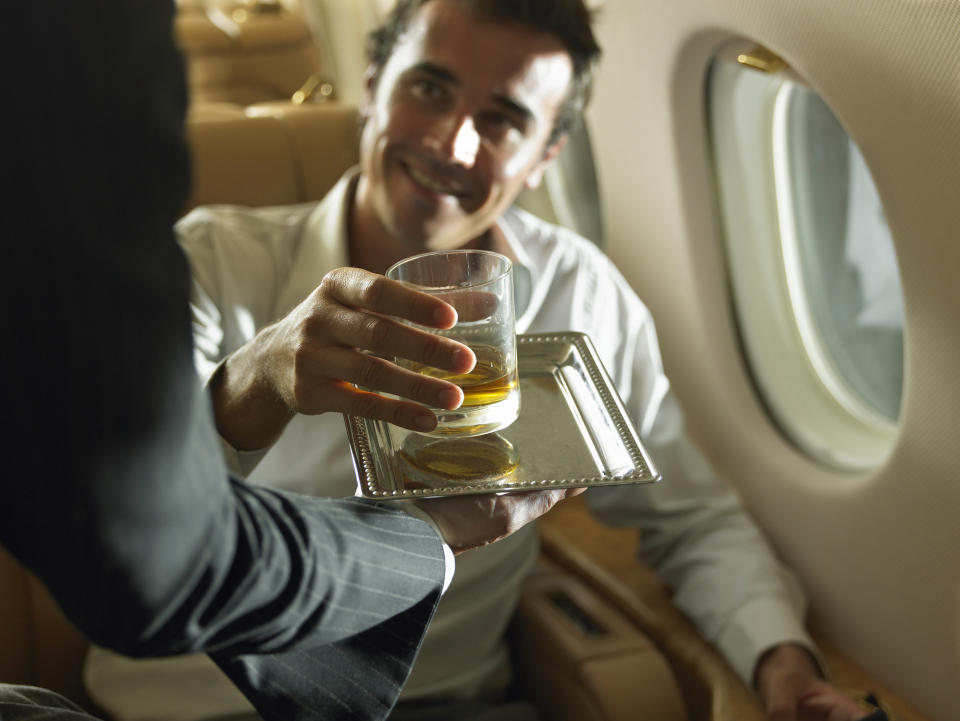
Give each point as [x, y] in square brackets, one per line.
[879, 551]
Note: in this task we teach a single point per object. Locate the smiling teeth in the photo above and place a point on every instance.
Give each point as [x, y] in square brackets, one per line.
[431, 184]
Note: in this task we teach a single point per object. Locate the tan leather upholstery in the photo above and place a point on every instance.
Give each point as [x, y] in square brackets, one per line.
[38, 646]
[275, 154]
[582, 660]
[238, 54]
[604, 559]
[242, 160]
[16, 638]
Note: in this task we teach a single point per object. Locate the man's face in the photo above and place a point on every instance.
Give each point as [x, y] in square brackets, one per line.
[457, 124]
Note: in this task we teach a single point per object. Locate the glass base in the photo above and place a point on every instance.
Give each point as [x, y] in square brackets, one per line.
[432, 462]
[467, 422]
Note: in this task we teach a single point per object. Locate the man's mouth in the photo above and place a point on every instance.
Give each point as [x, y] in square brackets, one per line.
[434, 184]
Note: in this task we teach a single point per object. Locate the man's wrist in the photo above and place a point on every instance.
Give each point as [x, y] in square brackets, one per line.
[786, 656]
[248, 415]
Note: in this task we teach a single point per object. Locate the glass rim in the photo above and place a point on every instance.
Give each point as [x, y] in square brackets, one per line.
[457, 251]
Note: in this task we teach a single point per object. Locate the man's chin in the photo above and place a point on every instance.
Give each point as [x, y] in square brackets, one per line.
[446, 243]
[429, 238]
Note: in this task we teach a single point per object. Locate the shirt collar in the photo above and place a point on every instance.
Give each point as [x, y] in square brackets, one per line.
[324, 243]
[327, 246]
[523, 269]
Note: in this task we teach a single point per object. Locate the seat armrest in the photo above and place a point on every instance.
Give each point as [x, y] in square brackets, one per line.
[604, 559]
[579, 659]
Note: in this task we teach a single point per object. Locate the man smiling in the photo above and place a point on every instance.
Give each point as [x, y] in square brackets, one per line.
[467, 103]
[459, 120]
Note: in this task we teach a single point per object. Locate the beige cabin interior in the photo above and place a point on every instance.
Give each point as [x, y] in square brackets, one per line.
[878, 548]
[252, 145]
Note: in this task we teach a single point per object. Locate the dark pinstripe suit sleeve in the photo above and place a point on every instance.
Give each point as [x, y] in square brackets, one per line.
[125, 512]
[355, 666]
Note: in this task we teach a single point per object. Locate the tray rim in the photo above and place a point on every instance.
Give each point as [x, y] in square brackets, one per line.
[365, 464]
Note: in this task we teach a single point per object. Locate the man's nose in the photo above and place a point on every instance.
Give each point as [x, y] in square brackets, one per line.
[459, 140]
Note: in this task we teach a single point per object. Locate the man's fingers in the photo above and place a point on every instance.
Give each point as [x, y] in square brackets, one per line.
[361, 289]
[471, 521]
[831, 704]
[398, 412]
[345, 398]
[376, 374]
[387, 338]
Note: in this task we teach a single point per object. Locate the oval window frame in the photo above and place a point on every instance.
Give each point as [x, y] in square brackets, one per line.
[795, 379]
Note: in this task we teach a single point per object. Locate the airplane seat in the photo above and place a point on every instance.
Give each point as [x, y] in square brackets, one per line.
[272, 154]
[580, 659]
[212, 110]
[242, 52]
[39, 646]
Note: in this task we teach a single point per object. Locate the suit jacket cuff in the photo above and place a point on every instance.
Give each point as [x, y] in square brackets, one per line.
[450, 563]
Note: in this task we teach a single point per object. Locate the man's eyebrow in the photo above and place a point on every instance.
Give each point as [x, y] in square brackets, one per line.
[437, 71]
[513, 106]
[441, 73]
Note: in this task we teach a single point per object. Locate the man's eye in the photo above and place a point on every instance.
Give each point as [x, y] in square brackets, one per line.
[499, 120]
[427, 90]
[498, 124]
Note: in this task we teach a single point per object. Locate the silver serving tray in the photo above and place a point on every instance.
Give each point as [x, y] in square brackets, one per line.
[572, 431]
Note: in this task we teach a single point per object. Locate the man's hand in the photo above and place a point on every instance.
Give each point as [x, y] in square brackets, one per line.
[791, 688]
[309, 361]
[468, 522]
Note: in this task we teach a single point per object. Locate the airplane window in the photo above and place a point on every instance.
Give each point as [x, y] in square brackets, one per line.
[843, 269]
[813, 268]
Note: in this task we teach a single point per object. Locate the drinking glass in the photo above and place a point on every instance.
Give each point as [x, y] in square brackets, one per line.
[479, 285]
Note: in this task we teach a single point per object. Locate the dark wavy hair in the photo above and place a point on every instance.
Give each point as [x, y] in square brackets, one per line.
[567, 20]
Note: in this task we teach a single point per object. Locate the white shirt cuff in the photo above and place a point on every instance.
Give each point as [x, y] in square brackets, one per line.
[450, 563]
[240, 463]
[760, 625]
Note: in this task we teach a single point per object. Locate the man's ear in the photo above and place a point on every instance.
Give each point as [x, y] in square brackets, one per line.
[369, 87]
[535, 176]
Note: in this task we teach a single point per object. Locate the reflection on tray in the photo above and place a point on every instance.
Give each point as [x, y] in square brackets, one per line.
[426, 462]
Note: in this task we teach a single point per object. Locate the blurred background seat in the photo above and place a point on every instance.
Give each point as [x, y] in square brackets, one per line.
[247, 52]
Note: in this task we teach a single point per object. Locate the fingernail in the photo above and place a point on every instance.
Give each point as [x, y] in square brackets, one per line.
[450, 398]
[442, 317]
[425, 422]
[460, 354]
